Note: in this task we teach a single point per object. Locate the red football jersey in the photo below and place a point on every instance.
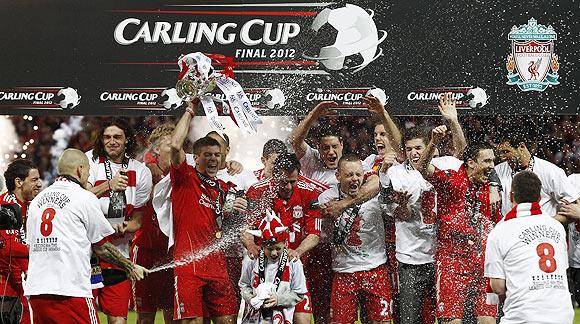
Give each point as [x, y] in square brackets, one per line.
[14, 253]
[194, 219]
[149, 235]
[296, 213]
[462, 232]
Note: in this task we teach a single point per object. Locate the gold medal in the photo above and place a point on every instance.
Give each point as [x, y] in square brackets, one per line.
[218, 235]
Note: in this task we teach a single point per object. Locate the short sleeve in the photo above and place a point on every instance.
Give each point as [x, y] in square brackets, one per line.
[144, 187]
[97, 226]
[93, 169]
[309, 161]
[313, 220]
[327, 195]
[494, 265]
[562, 187]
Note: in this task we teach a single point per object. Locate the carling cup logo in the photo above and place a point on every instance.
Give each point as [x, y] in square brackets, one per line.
[532, 65]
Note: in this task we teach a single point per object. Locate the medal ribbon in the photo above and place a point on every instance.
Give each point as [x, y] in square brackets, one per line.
[262, 276]
[221, 194]
[339, 234]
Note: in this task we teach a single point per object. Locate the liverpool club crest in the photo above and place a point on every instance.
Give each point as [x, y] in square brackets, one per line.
[532, 65]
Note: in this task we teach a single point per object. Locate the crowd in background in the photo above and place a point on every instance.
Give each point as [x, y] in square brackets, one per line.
[557, 137]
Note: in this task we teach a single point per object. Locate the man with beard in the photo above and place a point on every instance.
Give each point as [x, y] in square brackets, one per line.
[465, 219]
[292, 200]
[319, 165]
[515, 156]
[123, 186]
[272, 148]
[202, 285]
[23, 183]
[358, 251]
[149, 246]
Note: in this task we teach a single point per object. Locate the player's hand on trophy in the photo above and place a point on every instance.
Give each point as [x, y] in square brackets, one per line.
[388, 161]
[438, 134]
[240, 204]
[119, 181]
[447, 106]
[137, 273]
[190, 108]
[234, 167]
[375, 106]
[271, 301]
[401, 197]
[324, 108]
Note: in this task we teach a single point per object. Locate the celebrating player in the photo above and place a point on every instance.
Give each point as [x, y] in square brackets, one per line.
[202, 286]
[23, 183]
[272, 148]
[149, 246]
[64, 221]
[526, 259]
[465, 218]
[358, 254]
[123, 186]
[292, 200]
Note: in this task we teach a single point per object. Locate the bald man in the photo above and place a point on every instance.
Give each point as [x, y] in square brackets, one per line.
[65, 221]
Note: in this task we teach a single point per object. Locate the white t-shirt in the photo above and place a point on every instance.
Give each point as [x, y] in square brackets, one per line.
[312, 167]
[555, 185]
[294, 280]
[415, 238]
[63, 221]
[364, 247]
[521, 251]
[574, 234]
[137, 193]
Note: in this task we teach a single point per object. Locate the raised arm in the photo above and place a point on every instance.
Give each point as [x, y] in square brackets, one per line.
[424, 164]
[298, 136]
[449, 112]
[180, 134]
[393, 133]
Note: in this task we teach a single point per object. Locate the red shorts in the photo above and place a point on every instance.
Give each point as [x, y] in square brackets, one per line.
[234, 266]
[114, 300]
[392, 268]
[318, 272]
[305, 306]
[156, 290]
[454, 289]
[196, 293]
[371, 286]
[53, 309]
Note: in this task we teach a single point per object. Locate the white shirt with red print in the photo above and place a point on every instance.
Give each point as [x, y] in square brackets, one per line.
[528, 250]
[364, 247]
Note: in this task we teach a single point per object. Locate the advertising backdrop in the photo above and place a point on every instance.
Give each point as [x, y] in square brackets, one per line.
[120, 57]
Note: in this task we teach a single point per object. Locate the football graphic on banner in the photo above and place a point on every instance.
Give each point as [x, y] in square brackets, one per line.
[348, 38]
[173, 101]
[71, 98]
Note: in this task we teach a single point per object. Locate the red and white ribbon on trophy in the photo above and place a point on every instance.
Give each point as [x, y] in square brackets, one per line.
[197, 78]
